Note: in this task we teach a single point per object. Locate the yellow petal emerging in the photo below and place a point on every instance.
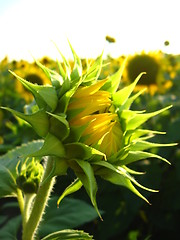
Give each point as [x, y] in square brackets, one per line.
[102, 128]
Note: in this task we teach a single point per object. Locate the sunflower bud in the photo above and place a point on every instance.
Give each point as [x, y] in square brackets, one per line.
[87, 125]
[30, 176]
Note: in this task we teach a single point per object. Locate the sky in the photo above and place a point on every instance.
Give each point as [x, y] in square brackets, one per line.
[29, 27]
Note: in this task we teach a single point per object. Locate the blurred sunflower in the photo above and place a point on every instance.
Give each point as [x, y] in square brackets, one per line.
[32, 74]
[155, 65]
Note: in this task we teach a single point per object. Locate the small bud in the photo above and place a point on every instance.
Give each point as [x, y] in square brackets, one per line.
[30, 176]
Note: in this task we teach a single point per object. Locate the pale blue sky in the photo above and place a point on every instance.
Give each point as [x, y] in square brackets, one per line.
[28, 26]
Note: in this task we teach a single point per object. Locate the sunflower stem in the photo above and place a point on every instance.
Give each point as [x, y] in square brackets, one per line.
[20, 200]
[40, 202]
[28, 199]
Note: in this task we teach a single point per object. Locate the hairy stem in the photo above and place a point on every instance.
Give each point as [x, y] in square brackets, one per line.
[20, 200]
[40, 202]
[28, 198]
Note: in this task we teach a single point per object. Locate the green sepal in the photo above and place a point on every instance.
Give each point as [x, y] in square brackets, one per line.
[134, 156]
[73, 187]
[64, 100]
[131, 171]
[44, 95]
[75, 133]
[38, 120]
[113, 81]
[140, 145]
[118, 179]
[120, 97]
[55, 78]
[59, 126]
[124, 178]
[52, 147]
[131, 135]
[59, 168]
[82, 151]
[68, 234]
[141, 118]
[77, 69]
[89, 181]
[130, 100]
[93, 71]
[67, 72]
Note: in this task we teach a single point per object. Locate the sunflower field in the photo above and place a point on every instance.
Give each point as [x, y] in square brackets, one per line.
[80, 114]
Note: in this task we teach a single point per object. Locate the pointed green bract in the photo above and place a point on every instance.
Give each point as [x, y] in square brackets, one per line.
[88, 179]
[134, 156]
[44, 95]
[139, 119]
[59, 126]
[120, 97]
[118, 179]
[81, 151]
[144, 145]
[113, 81]
[93, 71]
[73, 187]
[52, 147]
[77, 69]
[56, 79]
[38, 120]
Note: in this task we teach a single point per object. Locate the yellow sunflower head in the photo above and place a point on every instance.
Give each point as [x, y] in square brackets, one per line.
[155, 65]
[88, 125]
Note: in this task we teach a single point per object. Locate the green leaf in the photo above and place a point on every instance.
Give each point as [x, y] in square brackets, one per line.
[73, 187]
[38, 120]
[52, 147]
[68, 234]
[120, 97]
[8, 183]
[44, 95]
[8, 163]
[114, 80]
[89, 182]
[71, 213]
[10, 229]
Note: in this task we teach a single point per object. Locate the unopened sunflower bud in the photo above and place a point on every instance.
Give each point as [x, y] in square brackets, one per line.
[30, 176]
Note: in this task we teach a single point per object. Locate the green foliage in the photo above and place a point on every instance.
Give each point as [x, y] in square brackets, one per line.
[72, 213]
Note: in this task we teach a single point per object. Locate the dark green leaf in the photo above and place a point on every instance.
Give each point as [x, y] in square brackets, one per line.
[71, 213]
[68, 234]
[10, 229]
